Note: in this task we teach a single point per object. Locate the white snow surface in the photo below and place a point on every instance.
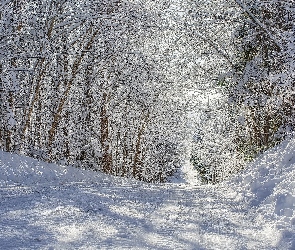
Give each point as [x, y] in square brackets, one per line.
[46, 206]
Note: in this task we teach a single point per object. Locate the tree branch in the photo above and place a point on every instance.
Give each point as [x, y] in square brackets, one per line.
[260, 24]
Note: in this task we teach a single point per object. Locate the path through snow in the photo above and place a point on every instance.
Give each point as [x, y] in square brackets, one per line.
[135, 216]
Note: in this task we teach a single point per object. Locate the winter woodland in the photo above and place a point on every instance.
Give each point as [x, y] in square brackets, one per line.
[135, 88]
[147, 124]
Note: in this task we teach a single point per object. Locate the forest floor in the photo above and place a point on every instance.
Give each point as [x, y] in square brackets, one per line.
[45, 206]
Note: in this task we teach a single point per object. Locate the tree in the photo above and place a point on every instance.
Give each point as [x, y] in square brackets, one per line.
[264, 86]
[88, 86]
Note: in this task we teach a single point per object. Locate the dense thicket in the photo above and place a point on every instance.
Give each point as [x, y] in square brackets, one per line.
[259, 85]
[264, 74]
[77, 87]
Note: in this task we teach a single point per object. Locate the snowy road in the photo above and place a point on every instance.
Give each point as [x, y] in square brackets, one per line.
[46, 206]
[127, 216]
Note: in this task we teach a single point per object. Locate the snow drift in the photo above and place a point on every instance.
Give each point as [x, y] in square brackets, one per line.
[23, 170]
[268, 184]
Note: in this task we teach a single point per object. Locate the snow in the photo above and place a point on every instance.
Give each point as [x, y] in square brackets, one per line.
[46, 206]
[269, 186]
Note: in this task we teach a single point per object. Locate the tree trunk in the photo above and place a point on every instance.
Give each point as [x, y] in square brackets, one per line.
[106, 159]
[137, 153]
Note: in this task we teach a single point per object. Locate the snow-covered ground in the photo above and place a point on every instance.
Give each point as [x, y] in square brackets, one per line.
[45, 206]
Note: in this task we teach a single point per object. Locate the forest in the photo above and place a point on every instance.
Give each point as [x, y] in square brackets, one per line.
[147, 124]
[135, 88]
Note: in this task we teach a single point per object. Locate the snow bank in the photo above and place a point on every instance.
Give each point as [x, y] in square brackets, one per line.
[268, 184]
[19, 169]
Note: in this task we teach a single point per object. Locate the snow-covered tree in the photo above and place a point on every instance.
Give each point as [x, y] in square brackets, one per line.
[264, 87]
[89, 86]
